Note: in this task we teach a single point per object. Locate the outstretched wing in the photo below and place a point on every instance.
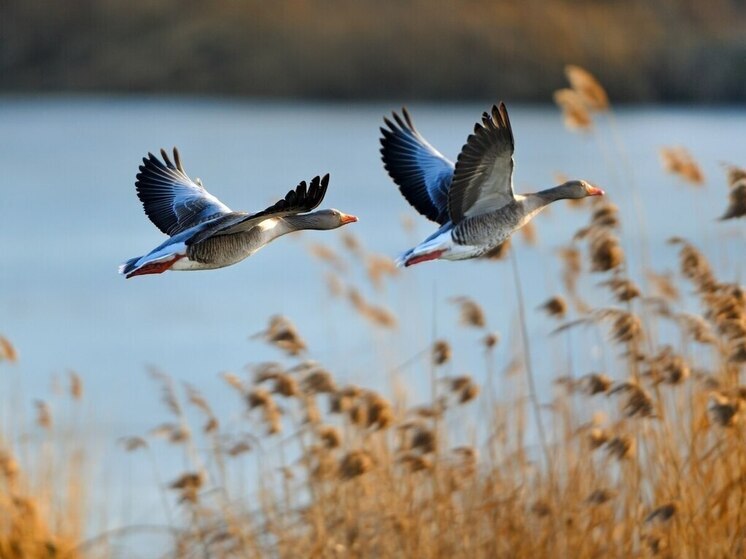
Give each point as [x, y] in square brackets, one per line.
[421, 172]
[483, 179]
[171, 200]
[303, 198]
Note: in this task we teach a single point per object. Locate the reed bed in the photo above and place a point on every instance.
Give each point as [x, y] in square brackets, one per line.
[644, 459]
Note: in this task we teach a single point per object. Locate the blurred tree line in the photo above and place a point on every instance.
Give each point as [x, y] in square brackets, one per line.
[642, 50]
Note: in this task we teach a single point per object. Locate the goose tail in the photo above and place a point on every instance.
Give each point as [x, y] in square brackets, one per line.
[128, 266]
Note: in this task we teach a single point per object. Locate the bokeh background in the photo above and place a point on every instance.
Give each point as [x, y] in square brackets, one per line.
[642, 50]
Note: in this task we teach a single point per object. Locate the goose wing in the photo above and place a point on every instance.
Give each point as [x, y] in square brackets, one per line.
[483, 179]
[303, 198]
[172, 200]
[421, 172]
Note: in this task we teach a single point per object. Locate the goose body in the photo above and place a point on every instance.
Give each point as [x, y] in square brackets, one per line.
[204, 233]
[473, 200]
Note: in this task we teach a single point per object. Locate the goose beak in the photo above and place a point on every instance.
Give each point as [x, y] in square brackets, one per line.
[347, 218]
[593, 191]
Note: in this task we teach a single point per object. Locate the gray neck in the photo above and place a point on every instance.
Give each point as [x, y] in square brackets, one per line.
[306, 221]
[560, 192]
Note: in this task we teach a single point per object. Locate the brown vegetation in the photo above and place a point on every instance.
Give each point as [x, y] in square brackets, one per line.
[645, 459]
[643, 50]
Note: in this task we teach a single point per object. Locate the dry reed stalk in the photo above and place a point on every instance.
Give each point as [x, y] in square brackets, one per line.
[377, 315]
[327, 255]
[663, 285]
[587, 87]
[555, 307]
[574, 111]
[441, 352]
[471, 314]
[736, 201]
[283, 334]
[624, 290]
[679, 161]
[7, 351]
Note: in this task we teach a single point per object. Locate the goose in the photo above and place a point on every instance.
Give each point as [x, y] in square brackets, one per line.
[204, 233]
[473, 201]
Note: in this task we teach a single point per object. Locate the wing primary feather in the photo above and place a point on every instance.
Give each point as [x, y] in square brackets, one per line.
[177, 160]
[171, 200]
[164, 154]
[482, 181]
[422, 174]
[408, 118]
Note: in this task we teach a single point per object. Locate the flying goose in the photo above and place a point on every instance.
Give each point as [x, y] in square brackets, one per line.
[472, 201]
[204, 233]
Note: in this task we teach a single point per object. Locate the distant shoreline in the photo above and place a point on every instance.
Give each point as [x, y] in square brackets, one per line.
[645, 51]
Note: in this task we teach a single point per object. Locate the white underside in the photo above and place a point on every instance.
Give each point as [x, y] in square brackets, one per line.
[443, 242]
[271, 229]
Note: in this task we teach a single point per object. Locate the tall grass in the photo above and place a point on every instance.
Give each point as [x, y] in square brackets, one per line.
[645, 458]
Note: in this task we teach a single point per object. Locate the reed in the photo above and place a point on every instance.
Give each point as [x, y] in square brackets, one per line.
[642, 457]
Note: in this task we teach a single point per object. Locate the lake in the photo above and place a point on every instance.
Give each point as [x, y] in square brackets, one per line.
[70, 215]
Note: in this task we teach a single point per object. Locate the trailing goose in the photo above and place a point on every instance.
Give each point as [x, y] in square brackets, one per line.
[203, 232]
[472, 201]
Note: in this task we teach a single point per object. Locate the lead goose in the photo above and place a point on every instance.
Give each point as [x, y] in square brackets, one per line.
[473, 201]
[205, 233]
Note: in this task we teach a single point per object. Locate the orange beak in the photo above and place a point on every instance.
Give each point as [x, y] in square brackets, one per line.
[593, 191]
[347, 218]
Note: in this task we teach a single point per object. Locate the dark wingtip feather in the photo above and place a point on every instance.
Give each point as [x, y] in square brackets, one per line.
[164, 155]
[399, 120]
[177, 160]
[408, 118]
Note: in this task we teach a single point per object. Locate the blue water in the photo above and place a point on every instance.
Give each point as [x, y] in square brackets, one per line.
[69, 215]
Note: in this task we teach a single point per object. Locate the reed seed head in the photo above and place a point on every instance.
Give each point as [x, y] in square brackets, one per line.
[621, 447]
[378, 267]
[623, 289]
[600, 496]
[587, 87]
[188, 485]
[664, 286]
[259, 398]
[663, 513]
[330, 436]
[734, 174]
[286, 385]
[574, 111]
[7, 351]
[423, 440]
[283, 334]
[595, 383]
[355, 464]
[725, 411]
[471, 314]
[555, 306]
[626, 327]
[605, 252]
[319, 381]
[43, 415]
[678, 161]
[416, 462]
[736, 201]
[441, 352]
[491, 340]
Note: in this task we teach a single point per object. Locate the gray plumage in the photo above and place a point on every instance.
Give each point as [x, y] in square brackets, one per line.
[204, 232]
[482, 208]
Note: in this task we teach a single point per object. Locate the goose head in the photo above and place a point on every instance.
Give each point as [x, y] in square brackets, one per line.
[326, 219]
[578, 189]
